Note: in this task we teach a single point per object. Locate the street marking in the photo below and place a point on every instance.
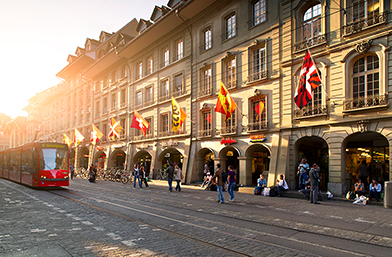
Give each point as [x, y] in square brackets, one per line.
[366, 221]
[52, 235]
[308, 212]
[114, 236]
[336, 217]
[37, 230]
[99, 228]
[87, 223]
[75, 229]
[129, 243]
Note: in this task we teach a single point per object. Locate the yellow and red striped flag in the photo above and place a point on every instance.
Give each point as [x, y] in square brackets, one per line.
[225, 103]
[78, 137]
[67, 140]
[178, 115]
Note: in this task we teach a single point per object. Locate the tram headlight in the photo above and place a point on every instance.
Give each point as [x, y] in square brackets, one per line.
[43, 177]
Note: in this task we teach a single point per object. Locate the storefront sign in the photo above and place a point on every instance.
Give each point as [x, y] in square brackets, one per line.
[228, 141]
[170, 143]
[117, 146]
[99, 148]
[142, 146]
[257, 138]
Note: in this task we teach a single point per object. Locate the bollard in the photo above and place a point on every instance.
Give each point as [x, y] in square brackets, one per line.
[388, 194]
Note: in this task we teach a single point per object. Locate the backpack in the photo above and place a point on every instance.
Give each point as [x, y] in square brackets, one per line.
[273, 191]
[224, 177]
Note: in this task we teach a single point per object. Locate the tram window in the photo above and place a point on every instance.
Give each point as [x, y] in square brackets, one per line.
[54, 159]
[35, 161]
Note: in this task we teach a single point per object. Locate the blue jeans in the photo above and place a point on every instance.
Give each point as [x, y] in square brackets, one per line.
[220, 194]
[169, 181]
[140, 182]
[303, 177]
[230, 190]
[178, 187]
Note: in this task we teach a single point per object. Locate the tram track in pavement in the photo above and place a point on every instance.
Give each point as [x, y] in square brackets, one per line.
[116, 199]
[367, 238]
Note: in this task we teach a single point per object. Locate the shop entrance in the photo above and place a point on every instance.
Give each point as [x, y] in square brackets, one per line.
[371, 147]
[205, 157]
[100, 159]
[117, 159]
[260, 161]
[145, 159]
[230, 154]
[315, 150]
[170, 155]
[83, 157]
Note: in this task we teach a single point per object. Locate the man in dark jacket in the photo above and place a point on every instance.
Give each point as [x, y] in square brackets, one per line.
[314, 182]
[170, 175]
[219, 183]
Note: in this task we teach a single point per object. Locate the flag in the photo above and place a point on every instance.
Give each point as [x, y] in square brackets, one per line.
[178, 115]
[308, 81]
[259, 109]
[208, 118]
[78, 137]
[67, 140]
[139, 123]
[95, 134]
[115, 129]
[225, 103]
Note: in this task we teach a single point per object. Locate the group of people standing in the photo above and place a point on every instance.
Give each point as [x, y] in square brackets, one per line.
[309, 177]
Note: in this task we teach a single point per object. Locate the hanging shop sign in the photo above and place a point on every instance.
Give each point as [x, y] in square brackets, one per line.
[228, 141]
[257, 138]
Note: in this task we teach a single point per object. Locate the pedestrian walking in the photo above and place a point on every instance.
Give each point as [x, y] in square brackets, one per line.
[72, 169]
[137, 173]
[219, 183]
[178, 177]
[145, 177]
[314, 183]
[170, 175]
[303, 169]
[231, 177]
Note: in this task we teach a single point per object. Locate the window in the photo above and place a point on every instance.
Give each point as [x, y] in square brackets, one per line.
[149, 65]
[366, 78]
[149, 95]
[229, 72]
[114, 77]
[257, 66]
[230, 26]
[114, 102]
[148, 132]
[97, 86]
[259, 13]
[166, 56]
[229, 126]
[105, 105]
[97, 109]
[311, 25]
[140, 70]
[104, 82]
[258, 117]
[164, 90]
[180, 50]
[178, 87]
[365, 10]
[164, 124]
[124, 71]
[122, 98]
[206, 81]
[206, 121]
[139, 99]
[207, 38]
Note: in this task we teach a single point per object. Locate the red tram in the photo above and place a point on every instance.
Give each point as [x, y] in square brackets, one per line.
[37, 164]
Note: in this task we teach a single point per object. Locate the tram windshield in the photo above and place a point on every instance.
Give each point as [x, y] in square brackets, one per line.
[54, 159]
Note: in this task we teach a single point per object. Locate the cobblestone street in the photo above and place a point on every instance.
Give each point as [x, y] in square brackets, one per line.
[112, 219]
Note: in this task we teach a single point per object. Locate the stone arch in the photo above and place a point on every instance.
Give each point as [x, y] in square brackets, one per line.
[100, 159]
[117, 158]
[257, 162]
[205, 155]
[173, 155]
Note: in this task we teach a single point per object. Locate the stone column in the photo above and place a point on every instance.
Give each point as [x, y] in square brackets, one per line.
[245, 172]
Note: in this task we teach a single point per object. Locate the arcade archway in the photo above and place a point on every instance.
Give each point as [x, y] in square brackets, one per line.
[117, 159]
[170, 155]
[144, 158]
[259, 156]
[229, 156]
[314, 150]
[83, 157]
[205, 157]
[100, 159]
[371, 147]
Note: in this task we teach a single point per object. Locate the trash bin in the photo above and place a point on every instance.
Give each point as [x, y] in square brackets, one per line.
[388, 194]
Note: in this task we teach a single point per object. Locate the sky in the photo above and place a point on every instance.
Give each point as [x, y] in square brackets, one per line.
[38, 35]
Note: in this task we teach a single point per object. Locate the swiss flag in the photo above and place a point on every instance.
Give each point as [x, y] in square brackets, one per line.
[308, 81]
[139, 123]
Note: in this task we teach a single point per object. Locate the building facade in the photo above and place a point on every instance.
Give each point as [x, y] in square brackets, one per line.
[256, 49]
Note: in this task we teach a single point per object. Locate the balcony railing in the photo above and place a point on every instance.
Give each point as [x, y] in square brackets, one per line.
[257, 126]
[228, 130]
[205, 133]
[363, 103]
[138, 106]
[170, 133]
[164, 97]
[178, 92]
[123, 105]
[141, 137]
[317, 40]
[257, 75]
[113, 108]
[205, 91]
[309, 111]
[362, 24]
[148, 102]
